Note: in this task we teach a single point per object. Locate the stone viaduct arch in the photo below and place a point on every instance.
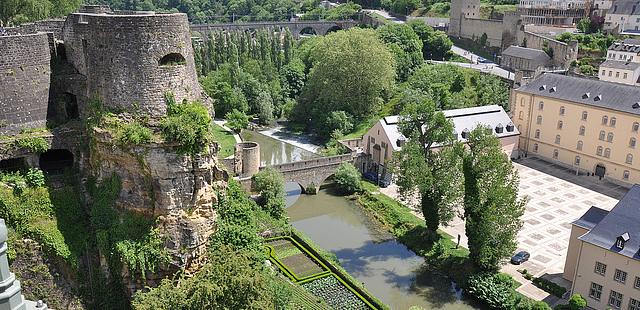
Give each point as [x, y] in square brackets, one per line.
[295, 27]
[313, 171]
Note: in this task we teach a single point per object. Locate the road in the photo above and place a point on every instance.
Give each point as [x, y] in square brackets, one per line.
[486, 68]
[386, 15]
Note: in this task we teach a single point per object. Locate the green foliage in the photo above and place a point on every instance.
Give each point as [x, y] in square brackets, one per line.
[270, 184]
[341, 12]
[589, 43]
[549, 287]
[492, 208]
[492, 290]
[403, 7]
[405, 45]
[134, 133]
[347, 177]
[124, 237]
[230, 280]
[311, 189]
[225, 140]
[15, 12]
[351, 71]
[577, 302]
[435, 44]
[188, 124]
[338, 123]
[35, 177]
[226, 98]
[435, 176]
[587, 69]
[33, 144]
[333, 146]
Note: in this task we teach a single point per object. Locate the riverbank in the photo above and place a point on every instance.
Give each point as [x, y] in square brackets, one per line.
[282, 134]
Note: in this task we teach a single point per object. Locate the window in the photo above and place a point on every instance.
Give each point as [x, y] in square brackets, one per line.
[615, 299]
[562, 110]
[625, 176]
[599, 151]
[539, 120]
[634, 304]
[607, 152]
[577, 161]
[603, 71]
[629, 159]
[559, 124]
[555, 154]
[522, 102]
[557, 139]
[620, 276]
[579, 146]
[373, 140]
[601, 136]
[541, 105]
[636, 283]
[605, 120]
[596, 291]
[584, 115]
[632, 143]
[635, 127]
[537, 135]
[600, 268]
[610, 137]
[618, 72]
[612, 123]
[624, 76]
[535, 147]
[520, 115]
[610, 73]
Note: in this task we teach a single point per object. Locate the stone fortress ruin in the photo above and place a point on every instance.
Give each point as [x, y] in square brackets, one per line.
[52, 73]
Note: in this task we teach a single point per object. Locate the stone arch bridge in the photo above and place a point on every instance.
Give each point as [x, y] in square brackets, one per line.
[313, 171]
[297, 28]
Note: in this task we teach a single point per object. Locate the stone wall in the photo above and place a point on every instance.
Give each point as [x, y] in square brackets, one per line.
[25, 75]
[121, 57]
[50, 25]
[474, 28]
[563, 53]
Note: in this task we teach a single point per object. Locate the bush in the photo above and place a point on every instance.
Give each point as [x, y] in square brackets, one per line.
[549, 287]
[338, 121]
[347, 178]
[311, 189]
[237, 120]
[587, 69]
[577, 302]
[134, 133]
[33, 144]
[270, 184]
[188, 124]
[492, 290]
[35, 177]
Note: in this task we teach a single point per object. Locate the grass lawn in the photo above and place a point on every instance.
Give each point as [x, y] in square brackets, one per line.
[485, 9]
[225, 141]
[363, 126]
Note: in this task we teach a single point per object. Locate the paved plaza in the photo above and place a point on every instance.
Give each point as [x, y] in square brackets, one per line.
[554, 202]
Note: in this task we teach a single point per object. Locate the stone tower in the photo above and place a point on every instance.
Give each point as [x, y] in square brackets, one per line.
[131, 59]
[461, 9]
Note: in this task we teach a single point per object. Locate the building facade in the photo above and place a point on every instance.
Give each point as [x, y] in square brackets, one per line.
[623, 63]
[524, 59]
[384, 138]
[602, 262]
[623, 17]
[588, 125]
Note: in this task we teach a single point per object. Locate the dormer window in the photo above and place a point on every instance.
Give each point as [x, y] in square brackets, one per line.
[586, 95]
[465, 133]
[499, 128]
[510, 127]
[401, 141]
[597, 98]
[621, 240]
[543, 87]
[552, 89]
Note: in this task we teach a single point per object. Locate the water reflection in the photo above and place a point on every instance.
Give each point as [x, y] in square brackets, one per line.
[273, 152]
[387, 268]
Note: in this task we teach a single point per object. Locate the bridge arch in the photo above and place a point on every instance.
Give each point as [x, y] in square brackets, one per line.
[333, 29]
[308, 31]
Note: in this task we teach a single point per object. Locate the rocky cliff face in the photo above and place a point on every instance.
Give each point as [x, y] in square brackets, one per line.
[180, 190]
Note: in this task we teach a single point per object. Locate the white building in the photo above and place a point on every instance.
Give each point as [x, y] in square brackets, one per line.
[623, 63]
[623, 17]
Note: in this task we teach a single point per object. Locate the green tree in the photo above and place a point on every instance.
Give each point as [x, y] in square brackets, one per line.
[338, 121]
[492, 209]
[237, 120]
[577, 302]
[226, 97]
[406, 46]
[435, 44]
[351, 71]
[483, 39]
[189, 124]
[434, 176]
[491, 90]
[270, 184]
[347, 177]
[265, 108]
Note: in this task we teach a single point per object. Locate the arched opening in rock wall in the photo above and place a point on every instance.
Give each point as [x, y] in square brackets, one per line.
[308, 31]
[13, 164]
[333, 29]
[172, 59]
[56, 161]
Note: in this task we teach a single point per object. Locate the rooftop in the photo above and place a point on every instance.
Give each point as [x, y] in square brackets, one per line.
[627, 45]
[466, 118]
[625, 7]
[602, 94]
[623, 65]
[622, 220]
[524, 52]
[590, 218]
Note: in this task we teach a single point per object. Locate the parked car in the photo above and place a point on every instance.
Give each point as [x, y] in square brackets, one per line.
[520, 257]
[482, 60]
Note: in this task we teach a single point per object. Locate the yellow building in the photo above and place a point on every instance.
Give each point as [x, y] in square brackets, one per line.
[603, 262]
[588, 125]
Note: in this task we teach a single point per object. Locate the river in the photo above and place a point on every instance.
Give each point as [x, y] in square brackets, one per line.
[387, 268]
